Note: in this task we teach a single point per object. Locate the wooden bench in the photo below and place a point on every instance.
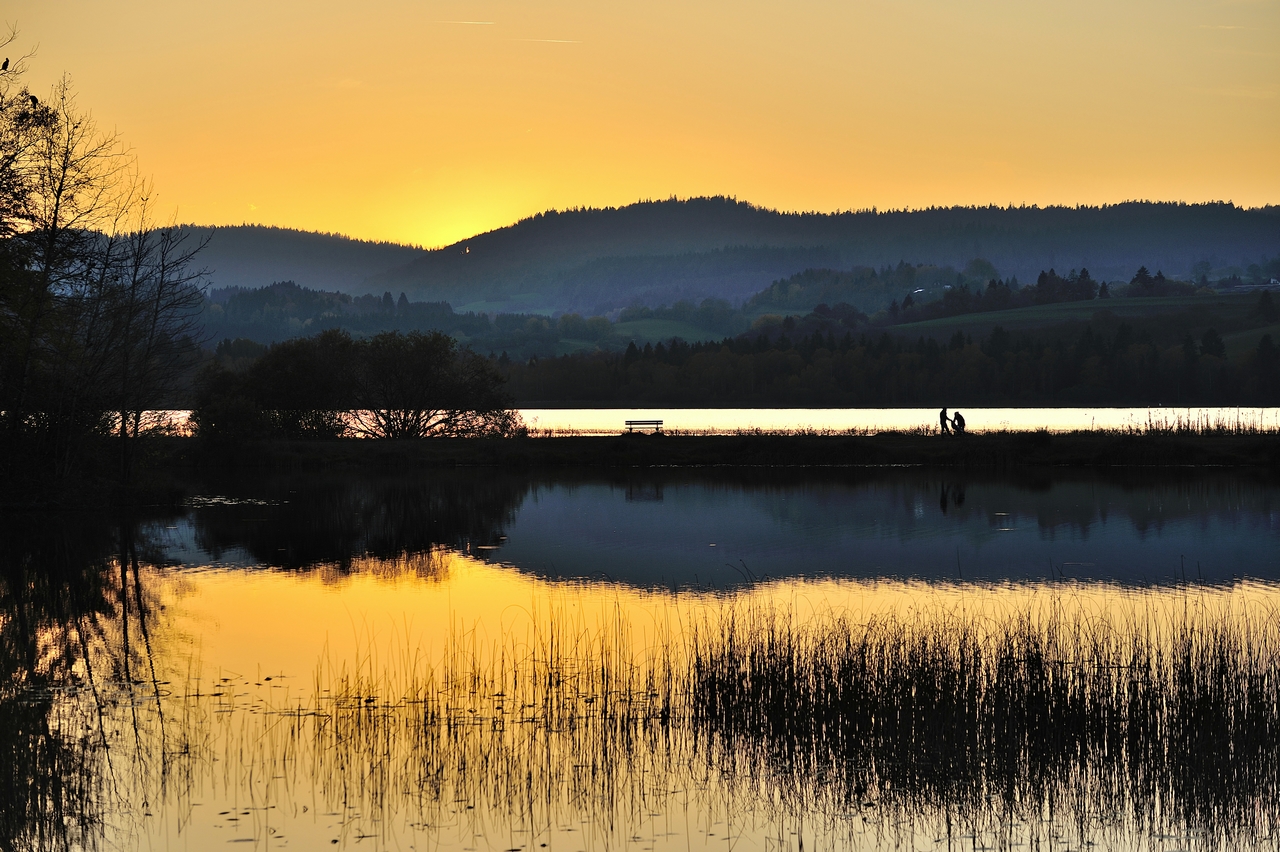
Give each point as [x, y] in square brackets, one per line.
[655, 425]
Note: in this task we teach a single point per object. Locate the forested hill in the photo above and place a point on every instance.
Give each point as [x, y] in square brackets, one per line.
[253, 256]
[595, 260]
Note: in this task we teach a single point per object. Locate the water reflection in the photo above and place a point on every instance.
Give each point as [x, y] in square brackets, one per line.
[723, 529]
[74, 615]
[727, 529]
[159, 688]
[301, 522]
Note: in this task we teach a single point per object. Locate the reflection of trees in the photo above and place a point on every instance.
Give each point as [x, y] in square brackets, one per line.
[51, 579]
[70, 591]
[299, 523]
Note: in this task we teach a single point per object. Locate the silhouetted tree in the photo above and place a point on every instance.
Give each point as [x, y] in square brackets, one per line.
[418, 385]
[392, 385]
[97, 303]
[1265, 307]
[1212, 346]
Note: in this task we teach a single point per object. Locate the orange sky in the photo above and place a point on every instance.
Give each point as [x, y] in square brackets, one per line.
[427, 122]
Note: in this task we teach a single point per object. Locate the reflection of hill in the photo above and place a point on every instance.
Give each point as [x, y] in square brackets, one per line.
[921, 501]
[730, 527]
[299, 523]
[1075, 504]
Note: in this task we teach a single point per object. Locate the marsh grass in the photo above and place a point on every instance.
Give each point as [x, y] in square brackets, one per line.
[984, 718]
[1150, 722]
[1203, 423]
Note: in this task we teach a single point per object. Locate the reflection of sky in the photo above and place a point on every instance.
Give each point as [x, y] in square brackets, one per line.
[697, 533]
[264, 641]
[177, 540]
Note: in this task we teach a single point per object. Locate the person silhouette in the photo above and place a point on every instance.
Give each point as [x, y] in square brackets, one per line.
[944, 420]
[957, 423]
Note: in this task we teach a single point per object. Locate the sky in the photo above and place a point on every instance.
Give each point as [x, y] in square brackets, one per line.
[426, 122]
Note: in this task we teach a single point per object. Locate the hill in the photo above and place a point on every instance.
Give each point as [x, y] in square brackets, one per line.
[254, 256]
[594, 261]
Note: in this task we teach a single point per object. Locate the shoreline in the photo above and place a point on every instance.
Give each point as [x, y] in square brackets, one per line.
[991, 450]
[168, 466]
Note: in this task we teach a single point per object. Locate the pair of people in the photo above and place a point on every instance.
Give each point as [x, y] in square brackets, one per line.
[954, 424]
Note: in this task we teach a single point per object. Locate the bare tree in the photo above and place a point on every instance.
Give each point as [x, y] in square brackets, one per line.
[151, 305]
[98, 304]
[422, 385]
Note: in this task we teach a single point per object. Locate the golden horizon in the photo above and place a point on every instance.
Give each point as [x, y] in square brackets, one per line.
[429, 123]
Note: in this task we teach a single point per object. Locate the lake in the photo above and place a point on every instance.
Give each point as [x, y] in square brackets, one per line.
[709, 659]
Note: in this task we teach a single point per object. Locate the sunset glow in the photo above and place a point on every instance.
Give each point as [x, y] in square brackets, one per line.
[429, 122]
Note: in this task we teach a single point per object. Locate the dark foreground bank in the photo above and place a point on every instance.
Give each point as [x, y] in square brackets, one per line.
[165, 465]
[992, 450]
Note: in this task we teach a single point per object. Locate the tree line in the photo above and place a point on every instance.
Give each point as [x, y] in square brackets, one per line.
[391, 385]
[1096, 366]
[863, 297]
[310, 386]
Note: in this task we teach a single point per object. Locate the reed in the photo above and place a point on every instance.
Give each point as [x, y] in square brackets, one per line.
[1165, 723]
[1045, 720]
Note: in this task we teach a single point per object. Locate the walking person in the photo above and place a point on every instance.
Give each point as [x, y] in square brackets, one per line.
[944, 421]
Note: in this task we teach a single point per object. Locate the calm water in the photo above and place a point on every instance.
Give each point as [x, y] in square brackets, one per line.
[709, 530]
[667, 660]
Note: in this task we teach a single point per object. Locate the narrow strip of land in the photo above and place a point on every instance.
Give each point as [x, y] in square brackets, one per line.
[990, 450]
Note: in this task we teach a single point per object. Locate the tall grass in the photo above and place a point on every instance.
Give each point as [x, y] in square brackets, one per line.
[1158, 724]
[1045, 722]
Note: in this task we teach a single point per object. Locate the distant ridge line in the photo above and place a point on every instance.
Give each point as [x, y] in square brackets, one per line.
[1270, 209]
[594, 260]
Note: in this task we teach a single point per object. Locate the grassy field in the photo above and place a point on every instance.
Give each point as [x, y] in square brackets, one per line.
[1243, 341]
[1178, 316]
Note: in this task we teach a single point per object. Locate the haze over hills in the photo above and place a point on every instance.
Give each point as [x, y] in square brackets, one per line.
[657, 252]
[253, 256]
